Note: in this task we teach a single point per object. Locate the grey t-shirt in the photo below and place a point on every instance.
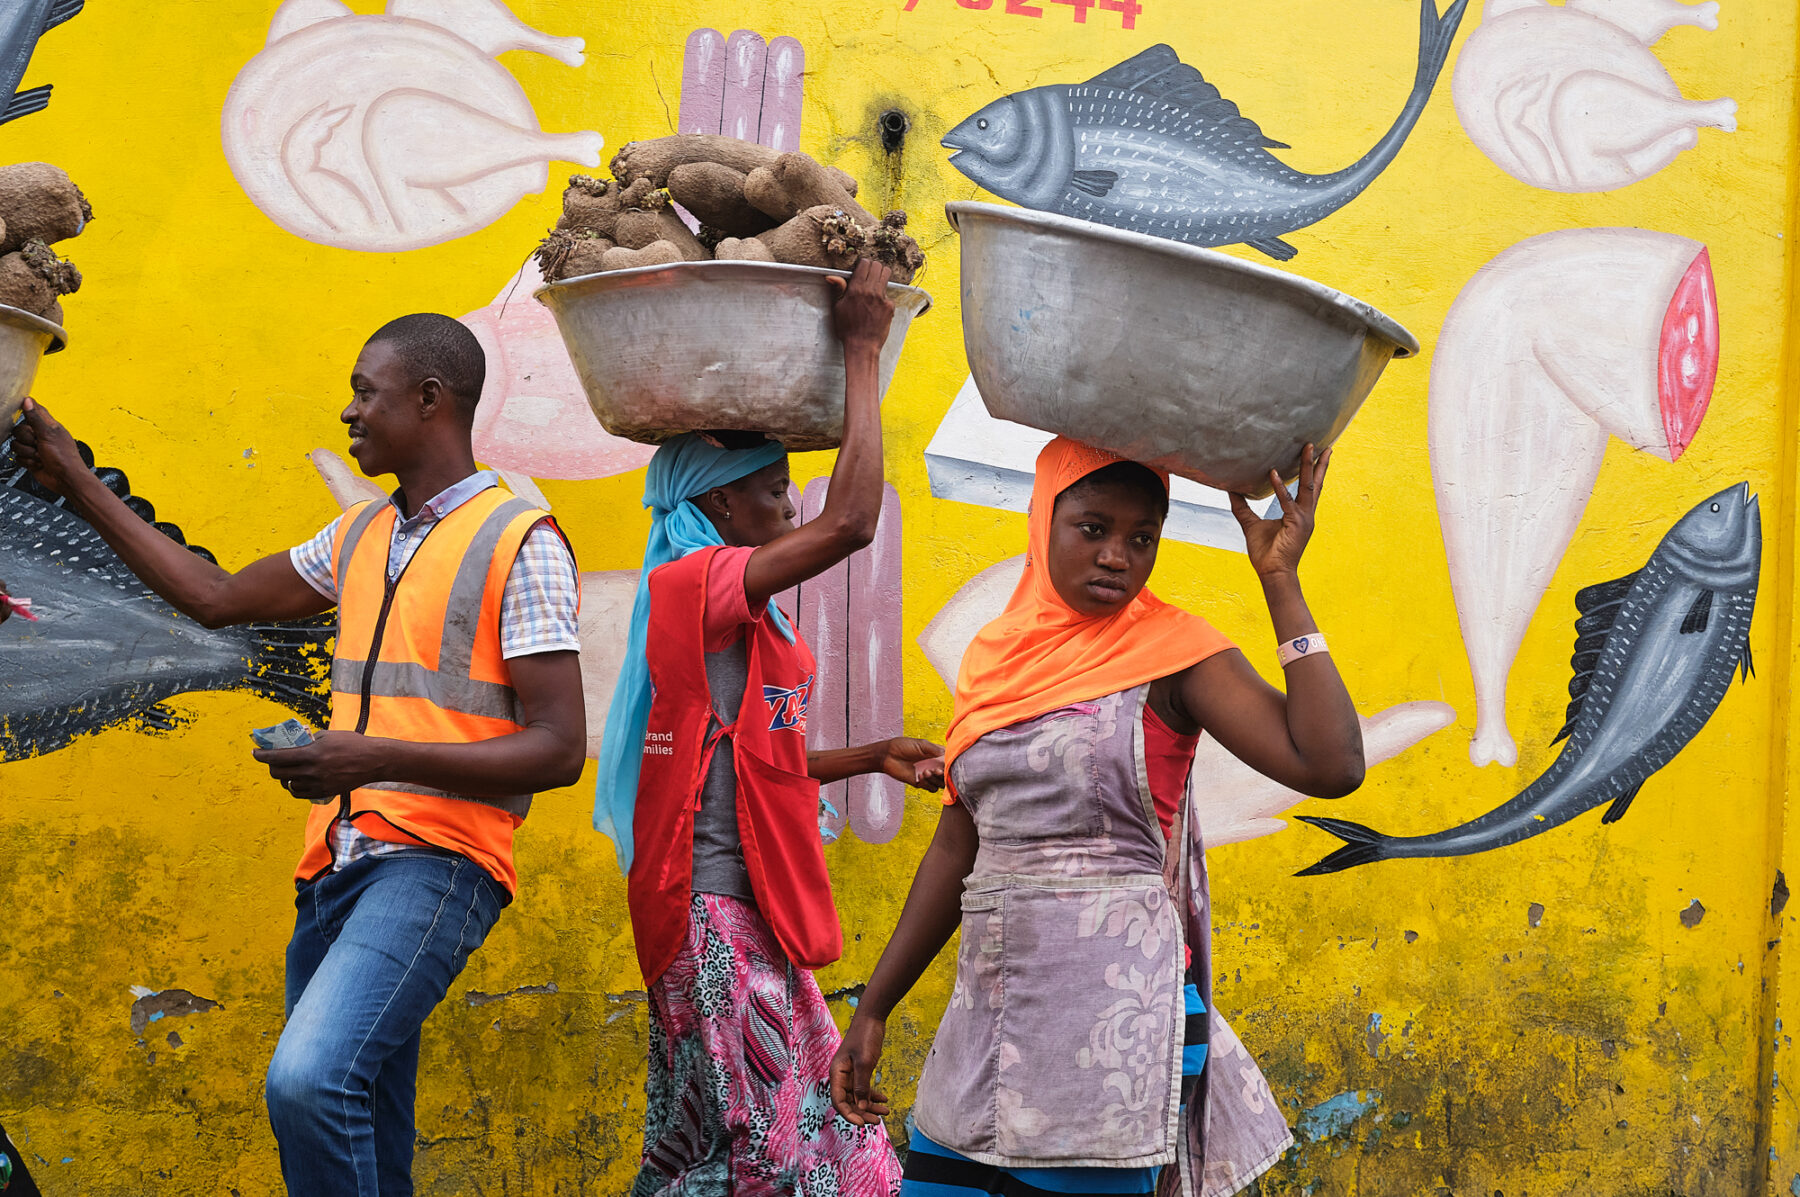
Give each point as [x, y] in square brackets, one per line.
[718, 850]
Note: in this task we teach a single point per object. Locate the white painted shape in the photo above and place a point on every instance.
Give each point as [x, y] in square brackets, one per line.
[975, 458]
[981, 598]
[1548, 348]
[1571, 98]
[1646, 20]
[523, 487]
[384, 133]
[606, 599]
[347, 486]
[295, 15]
[490, 27]
[1234, 802]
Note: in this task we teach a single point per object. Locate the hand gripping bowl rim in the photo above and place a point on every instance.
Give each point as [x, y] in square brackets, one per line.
[59, 336]
[747, 270]
[1377, 321]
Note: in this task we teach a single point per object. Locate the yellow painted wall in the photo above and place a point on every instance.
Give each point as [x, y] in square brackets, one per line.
[1608, 1049]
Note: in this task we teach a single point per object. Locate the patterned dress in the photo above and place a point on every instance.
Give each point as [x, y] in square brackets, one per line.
[1063, 1046]
[741, 1043]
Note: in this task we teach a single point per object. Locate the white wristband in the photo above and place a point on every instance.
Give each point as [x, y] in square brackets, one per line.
[1304, 646]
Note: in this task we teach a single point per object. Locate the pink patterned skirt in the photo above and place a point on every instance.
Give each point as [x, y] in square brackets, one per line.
[739, 1090]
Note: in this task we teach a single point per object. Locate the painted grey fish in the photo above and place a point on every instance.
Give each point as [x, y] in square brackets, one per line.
[105, 649]
[1152, 147]
[22, 22]
[1654, 655]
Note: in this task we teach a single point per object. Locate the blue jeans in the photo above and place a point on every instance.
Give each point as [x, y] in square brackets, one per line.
[375, 948]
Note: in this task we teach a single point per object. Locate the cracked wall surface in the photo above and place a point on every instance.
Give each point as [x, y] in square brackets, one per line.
[1596, 1010]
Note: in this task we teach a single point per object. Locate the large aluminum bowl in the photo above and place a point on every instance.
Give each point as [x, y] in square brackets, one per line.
[1184, 358]
[24, 340]
[663, 350]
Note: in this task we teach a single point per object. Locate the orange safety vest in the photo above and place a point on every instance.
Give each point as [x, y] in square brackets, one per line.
[419, 660]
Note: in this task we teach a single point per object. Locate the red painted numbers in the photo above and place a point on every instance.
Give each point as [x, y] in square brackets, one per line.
[1128, 10]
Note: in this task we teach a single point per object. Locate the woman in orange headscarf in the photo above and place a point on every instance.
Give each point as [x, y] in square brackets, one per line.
[1072, 1056]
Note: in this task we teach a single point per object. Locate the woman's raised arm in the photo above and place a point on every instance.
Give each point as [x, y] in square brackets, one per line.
[1307, 739]
[860, 319]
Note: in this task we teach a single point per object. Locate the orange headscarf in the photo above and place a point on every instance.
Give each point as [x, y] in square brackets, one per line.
[1040, 655]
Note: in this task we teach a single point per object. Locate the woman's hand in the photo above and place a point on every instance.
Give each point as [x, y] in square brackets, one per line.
[853, 1066]
[918, 763]
[861, 311]
[1274, 546]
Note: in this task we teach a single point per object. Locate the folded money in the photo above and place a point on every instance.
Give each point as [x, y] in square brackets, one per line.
[289, 733]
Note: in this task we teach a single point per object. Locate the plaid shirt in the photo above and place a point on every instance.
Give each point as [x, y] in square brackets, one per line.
[537, 608]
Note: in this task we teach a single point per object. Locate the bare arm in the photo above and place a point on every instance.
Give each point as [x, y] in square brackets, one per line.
[860, 319]
[546, 754]
[932, 912]
[269, 589]
[916, 762]
[1307, 739]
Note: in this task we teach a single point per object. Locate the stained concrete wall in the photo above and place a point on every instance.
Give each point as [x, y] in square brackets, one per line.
[1596, 1009]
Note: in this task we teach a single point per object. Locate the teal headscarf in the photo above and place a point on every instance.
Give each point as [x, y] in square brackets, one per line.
[682, 469]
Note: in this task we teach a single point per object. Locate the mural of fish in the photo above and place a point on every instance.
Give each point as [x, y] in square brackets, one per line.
[1654, 655]
[105, 649]
[22, 22]
[1152, 147]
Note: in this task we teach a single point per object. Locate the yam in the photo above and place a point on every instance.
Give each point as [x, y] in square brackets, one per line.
[743, 249]
[39, 202]
[888, 243]
[565, 254]
[655, 159]
[657, 253]
[593, 205]
[33, 278]
[588, 257]
[640, 227]
[821, 236]
[796, 183]
[715, 195]
[845, 179]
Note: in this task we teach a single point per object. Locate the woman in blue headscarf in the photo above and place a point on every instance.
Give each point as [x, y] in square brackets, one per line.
[708, 791]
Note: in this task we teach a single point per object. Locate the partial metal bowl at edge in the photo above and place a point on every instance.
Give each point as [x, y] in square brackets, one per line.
[24, 340]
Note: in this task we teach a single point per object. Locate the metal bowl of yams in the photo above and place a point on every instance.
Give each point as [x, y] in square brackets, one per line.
[745, 346]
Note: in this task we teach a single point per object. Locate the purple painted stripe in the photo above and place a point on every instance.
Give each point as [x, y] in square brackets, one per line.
[702, 83]
[824, 622]
[784, 82]
[877, 695]
[745, 55]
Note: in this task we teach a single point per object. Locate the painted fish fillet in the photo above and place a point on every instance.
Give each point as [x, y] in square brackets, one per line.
[1654, 655]
[1560, 342]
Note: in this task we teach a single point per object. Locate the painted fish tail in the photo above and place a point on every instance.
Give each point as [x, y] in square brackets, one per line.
[1436, 33]
[1362, 845]
[291, 665]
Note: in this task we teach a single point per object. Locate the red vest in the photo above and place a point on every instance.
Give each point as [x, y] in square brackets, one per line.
[777, 802]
